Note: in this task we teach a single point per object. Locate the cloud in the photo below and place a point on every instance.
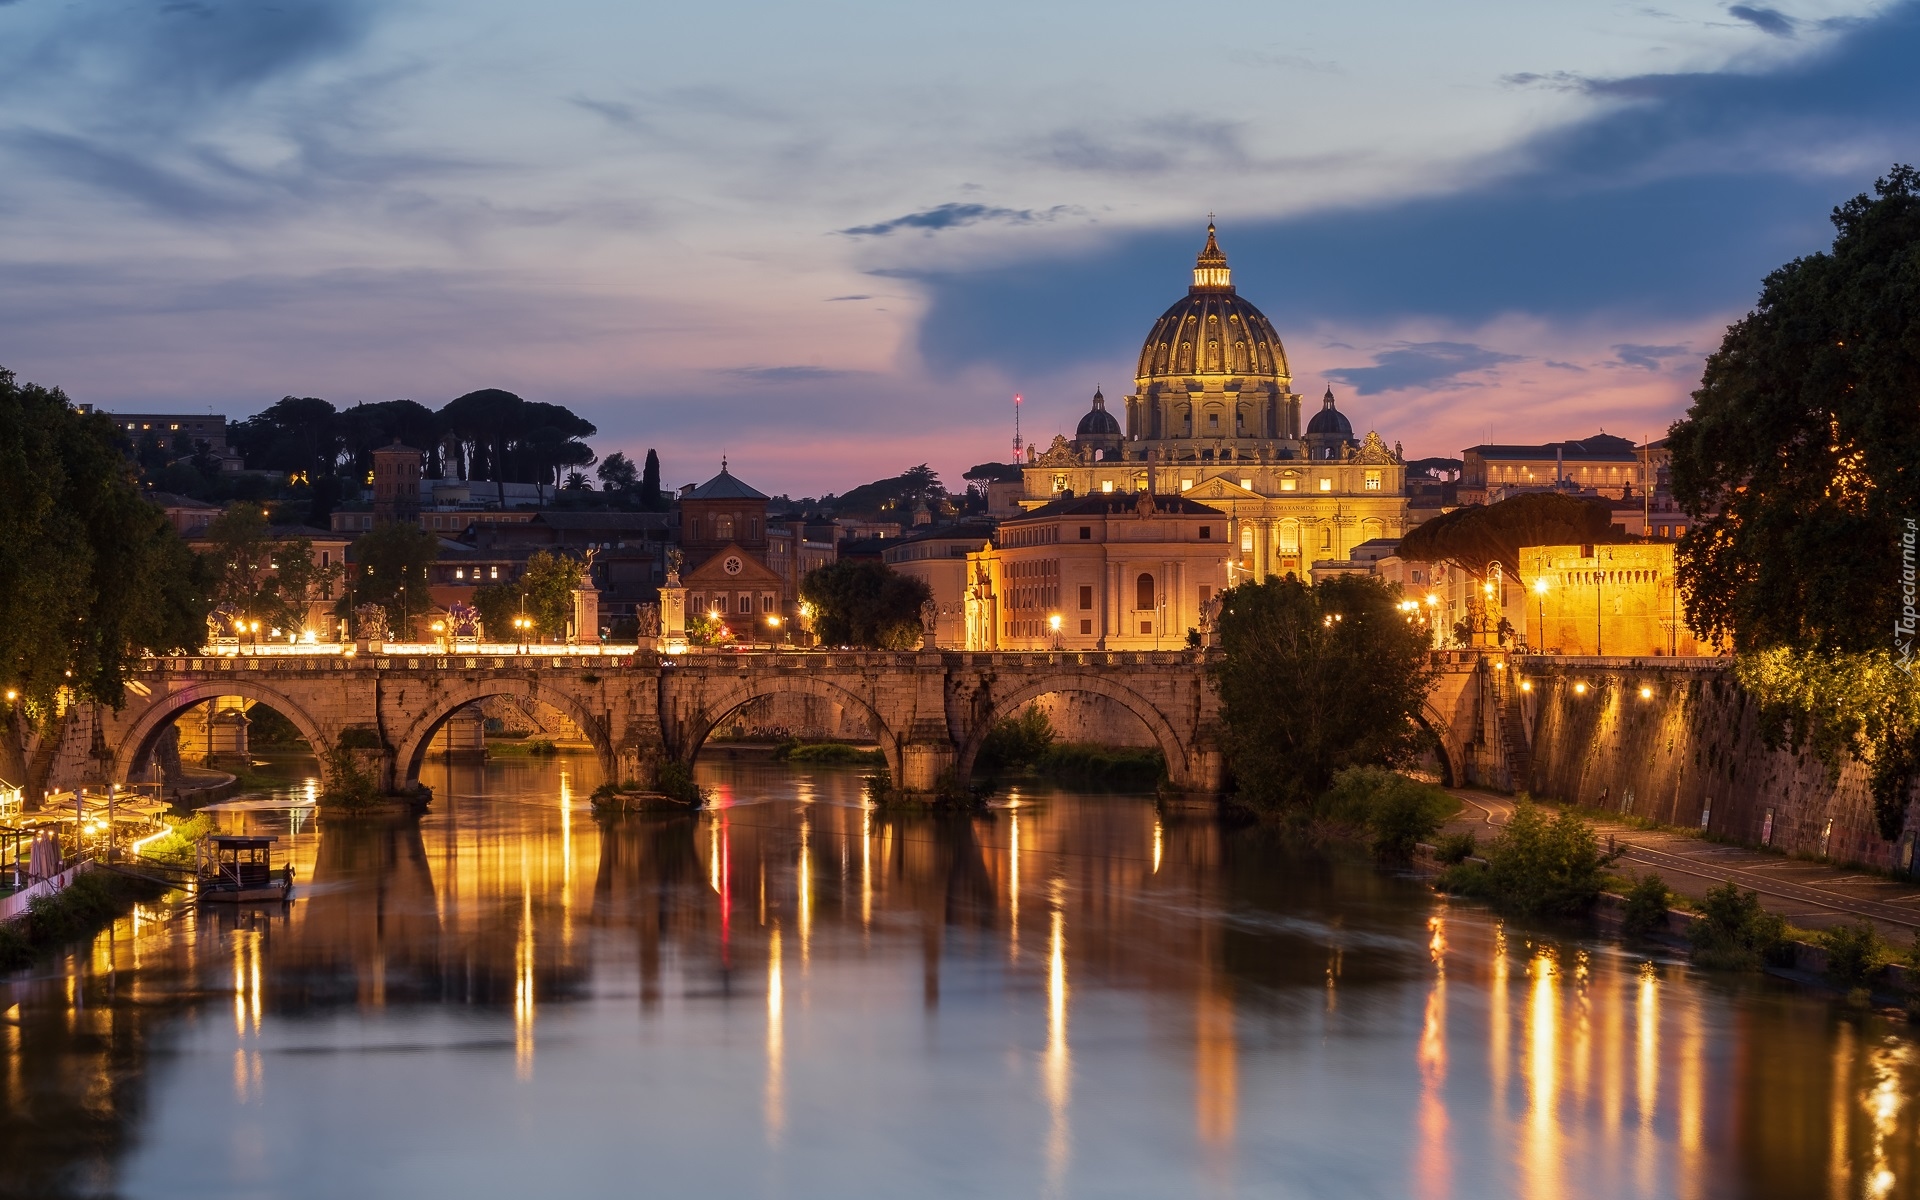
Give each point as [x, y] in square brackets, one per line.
[1767, 20]
[1151, 147]
[1648, 358]
[837, 299]
[953, 216]
[1419, 364]
[1555, 81]
[786, 374]
[1667, 207]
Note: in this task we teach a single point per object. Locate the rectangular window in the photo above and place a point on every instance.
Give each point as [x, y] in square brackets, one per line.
[493, 572]
[1247, 484]
[1086, 533]
[1086, 627]
[1206, 533]
[1288, 485]
[1373, 481]
[1206, 594]
[1246, 537]
[1086, 595]
[1146, 627]
[459, 573]
[1186, 485]
[1106, 485]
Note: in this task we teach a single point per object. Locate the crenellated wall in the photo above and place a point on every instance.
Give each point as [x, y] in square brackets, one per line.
[1690, 745]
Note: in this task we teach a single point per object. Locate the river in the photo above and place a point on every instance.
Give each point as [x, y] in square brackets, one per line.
[791, 995]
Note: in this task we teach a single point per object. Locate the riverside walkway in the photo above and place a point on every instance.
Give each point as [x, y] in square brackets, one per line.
[1812, 895]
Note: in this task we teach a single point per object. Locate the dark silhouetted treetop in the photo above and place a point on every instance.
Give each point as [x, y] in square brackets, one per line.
[1801, 452]
[865, 603]
[1475, 537]
[296, 434]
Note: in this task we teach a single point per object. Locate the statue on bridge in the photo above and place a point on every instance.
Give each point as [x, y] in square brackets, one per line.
[370, 623]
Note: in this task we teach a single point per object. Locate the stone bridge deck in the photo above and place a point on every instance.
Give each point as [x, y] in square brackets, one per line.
[929, 711]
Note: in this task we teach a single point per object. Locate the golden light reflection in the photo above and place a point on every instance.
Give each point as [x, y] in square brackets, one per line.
[1057, 1068]
[523, 998]
[866, 868]
[806, 892]
[566, 859]
[1158, 838]
[1542, 1168]
[1692, 1102]
[1840, 1116]
[1216, 1068]
[713, 853]
[776, 1107]
[1884, 1103]
[1432, 1164]
[1013, 887]
[1497, 1048]
[1647, 1072]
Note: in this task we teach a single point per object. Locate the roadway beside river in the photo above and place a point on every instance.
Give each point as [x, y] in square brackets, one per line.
[1812, 895]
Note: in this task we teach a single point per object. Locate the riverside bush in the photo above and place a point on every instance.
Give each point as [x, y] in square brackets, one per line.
[1734, 932]
[1855, 953]
[828, 752]
[675, 779]
[1396, 812]
[1455, 847]
[1536, 866]
[1647, 903]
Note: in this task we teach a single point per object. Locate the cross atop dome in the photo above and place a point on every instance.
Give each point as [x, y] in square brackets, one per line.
[1210, 269]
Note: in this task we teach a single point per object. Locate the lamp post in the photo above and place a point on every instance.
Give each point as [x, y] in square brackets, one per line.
[1053, 623]
[773, 630]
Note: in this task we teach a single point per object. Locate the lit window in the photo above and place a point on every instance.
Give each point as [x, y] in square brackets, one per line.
[1373, 481]
[1186, 485]
[1326, 485]
[459, 573]
[1246, 537]
[1289, 484]
[1106, 485]
[1247, 484]
[493, 572]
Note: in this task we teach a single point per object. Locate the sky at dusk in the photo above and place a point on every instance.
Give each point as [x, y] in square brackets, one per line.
[831, 239]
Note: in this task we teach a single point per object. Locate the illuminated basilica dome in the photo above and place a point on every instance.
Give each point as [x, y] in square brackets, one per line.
[1213, 367]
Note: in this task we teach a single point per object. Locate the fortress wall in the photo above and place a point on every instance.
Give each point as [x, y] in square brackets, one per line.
[1692, 748]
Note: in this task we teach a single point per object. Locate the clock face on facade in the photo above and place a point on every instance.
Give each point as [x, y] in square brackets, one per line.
[733, 565]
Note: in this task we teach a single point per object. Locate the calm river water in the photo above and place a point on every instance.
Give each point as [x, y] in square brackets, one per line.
[792, 996]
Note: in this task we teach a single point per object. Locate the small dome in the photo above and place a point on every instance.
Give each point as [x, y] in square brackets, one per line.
[1330, 420]
[1099, 422]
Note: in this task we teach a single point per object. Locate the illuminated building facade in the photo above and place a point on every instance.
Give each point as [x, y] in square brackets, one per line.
[1214, 419]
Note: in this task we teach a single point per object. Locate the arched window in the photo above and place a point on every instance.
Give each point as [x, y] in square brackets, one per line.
[723, 528]
[1143, 592]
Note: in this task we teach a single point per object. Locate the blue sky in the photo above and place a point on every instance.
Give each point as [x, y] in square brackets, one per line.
[832, 240]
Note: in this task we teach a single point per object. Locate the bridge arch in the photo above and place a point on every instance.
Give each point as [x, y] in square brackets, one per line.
[137, 744]
[1171, 747]
[1452, 770]
[709, 713]
[410, 749]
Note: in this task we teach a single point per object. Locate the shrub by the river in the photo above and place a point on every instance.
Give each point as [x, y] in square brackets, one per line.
[1102, 766]
[1016, 743]
[1455, 847]
[1855, 953]
[675, 779]
[176, 848]
[1647, 903]
[1734, 932]
[94, 899]
[1394, 811]
[348, 784]
[1537, 865]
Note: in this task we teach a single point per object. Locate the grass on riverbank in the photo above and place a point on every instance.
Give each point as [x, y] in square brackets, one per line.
[797, 751]
[94, 900]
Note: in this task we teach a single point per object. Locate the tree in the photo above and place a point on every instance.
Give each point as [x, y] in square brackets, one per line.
[544, 592]
[1315, 678]
[1800, 460]
[91, 575]
[1475, 537]
[297, 434]
[861, 602]
[616, 473]
[650, 497]
[261, 575]
[548, 584]
[390, 569]
[893, 498]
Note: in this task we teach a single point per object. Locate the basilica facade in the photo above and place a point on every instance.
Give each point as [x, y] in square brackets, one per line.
[1214, 419]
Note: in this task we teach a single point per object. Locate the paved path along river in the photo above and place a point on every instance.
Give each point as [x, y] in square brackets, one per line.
[1812, 895]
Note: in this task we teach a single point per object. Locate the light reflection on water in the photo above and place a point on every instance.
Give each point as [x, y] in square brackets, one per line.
[794, 994]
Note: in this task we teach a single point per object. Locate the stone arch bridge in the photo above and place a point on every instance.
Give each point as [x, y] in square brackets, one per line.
[930, 712]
